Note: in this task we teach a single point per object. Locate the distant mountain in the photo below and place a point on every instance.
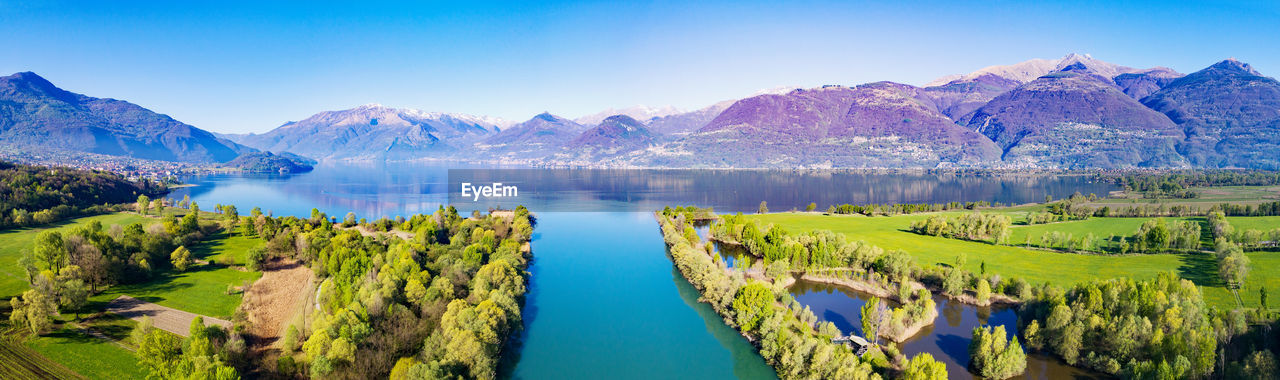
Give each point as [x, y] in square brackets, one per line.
[683, 123]
[266, 162]
[962, 96]
[1230, 113]
[34, 112]
[614, 136]
[374, 131]
[1074, 112]
[1030, 70]
[874, 125]
[1075, 118]
[542, 135]
[641, 113]
[1140, 84]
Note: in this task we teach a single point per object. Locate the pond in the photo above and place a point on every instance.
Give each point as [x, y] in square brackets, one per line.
[947, 339]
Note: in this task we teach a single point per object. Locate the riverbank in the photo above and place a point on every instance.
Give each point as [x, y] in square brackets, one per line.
[763, 314]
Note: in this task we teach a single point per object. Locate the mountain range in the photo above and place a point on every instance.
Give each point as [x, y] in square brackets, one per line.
[34, 112]
[1075, 112]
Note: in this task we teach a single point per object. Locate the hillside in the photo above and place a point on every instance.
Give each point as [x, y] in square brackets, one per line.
[616, 136]
[1230, 114]
[539, 136]
[1076, 119]
[34, 112]
[874, 125]
[266, 162]
[1139, 85]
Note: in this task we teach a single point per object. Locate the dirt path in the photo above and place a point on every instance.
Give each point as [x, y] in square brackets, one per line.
[164, 318]
[403, 235]
[275, 298]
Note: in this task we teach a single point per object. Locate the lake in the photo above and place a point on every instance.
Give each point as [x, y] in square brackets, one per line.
[604, 300]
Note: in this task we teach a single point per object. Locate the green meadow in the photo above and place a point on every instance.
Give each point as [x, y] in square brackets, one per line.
[13, 280]
[202, 289]
[92, 356]
[1101, 228]
[1036, 265]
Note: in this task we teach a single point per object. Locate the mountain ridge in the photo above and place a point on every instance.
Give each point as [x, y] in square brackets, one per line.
[1082, 113]
[34, 111]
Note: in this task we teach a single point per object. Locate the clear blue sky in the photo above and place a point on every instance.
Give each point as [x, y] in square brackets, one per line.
[241, 67]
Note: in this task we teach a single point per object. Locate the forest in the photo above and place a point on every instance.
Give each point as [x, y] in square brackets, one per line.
[35, 195]
[431, 296]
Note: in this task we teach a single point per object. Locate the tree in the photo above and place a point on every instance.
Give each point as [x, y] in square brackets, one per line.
[73, 294]
[158, 351]
[764, 208]
[812, 206]
[1262, 297]
[994, 357]
[983, 291]
[34, 310]
[752, 305]
[874, 314]
[180, 258]
[1071, 342]
[924, 367]
[290, 341]
[257, 257]
[953, 284]
[415, 292]
[349, 220]
[49, 253]
[144, 202]
[230, 216]
[1233, 265]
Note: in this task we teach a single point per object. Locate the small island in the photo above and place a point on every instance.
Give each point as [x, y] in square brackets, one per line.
[267, 162]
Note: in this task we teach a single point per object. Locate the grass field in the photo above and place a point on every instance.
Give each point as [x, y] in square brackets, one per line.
[92, 356]
[13, 280]
[202, 289]
[18, 361]
[1101, 228]
[1209, 196]
[1261, 223]
[226, 249]
[1037, 266]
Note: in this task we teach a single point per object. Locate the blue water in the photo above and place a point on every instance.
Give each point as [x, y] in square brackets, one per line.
[947, 340]
[605, 303]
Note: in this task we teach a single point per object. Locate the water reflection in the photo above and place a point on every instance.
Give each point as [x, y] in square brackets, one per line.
[947, 339]
[374, 190]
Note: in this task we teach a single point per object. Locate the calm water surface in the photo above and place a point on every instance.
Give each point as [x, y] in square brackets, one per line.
[604, 300]
[947, 339]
